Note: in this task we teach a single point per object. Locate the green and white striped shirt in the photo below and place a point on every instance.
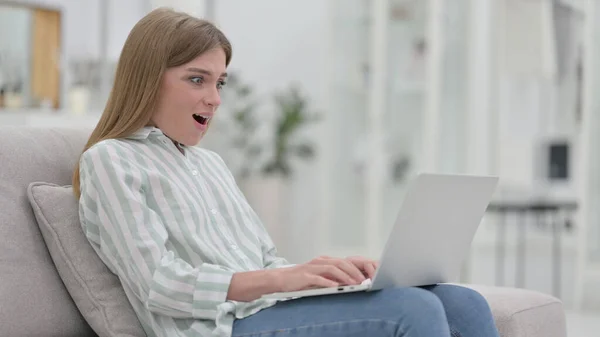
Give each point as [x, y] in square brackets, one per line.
[174, 227]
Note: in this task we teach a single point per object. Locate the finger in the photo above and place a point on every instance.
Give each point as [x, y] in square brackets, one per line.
[360, 259]
[364, 263]
[352, 269]
[333, 272]
[370, 270]
[320, 260]
[361, 264]
[354, 275]
[317, 281]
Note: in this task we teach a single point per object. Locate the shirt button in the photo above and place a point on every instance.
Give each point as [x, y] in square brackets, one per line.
[195, 172]
[214, 211]
[234, 247]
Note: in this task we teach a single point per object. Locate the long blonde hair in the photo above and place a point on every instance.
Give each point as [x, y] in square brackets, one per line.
[162, 39]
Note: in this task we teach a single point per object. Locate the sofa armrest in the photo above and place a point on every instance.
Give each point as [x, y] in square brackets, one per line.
[524, 313]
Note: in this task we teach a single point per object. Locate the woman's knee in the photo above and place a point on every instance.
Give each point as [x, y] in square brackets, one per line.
[418, 311]
[467, 311]
[416, 302]
[453, 296]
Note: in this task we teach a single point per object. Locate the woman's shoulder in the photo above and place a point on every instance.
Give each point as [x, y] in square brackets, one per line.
[114, 158]
[108, 149]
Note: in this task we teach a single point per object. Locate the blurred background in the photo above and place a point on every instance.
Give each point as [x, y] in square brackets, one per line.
[333, 106]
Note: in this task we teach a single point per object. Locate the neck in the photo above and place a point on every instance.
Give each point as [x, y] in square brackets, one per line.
[177, 144]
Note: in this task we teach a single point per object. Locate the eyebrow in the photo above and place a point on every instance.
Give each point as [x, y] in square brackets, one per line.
[204, 71]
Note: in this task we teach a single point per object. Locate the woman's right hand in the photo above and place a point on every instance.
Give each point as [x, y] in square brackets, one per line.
[321, 272]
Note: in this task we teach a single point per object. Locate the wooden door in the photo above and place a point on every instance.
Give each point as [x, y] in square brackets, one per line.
[45, 67]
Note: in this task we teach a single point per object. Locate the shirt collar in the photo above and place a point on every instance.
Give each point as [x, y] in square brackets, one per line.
[144, 132]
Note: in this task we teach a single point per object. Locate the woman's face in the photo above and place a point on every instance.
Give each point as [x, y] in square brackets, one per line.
[189, 97]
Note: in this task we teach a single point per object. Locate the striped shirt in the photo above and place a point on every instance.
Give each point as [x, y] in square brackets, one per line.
[175, 228]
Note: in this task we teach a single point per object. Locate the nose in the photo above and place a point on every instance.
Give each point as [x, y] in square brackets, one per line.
[213, 98]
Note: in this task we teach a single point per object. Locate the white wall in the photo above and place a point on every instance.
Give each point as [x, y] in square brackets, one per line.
[193, 7]
[296, 53]
[81, 23]
[81, 29]
[123, 15]
[15, 32]
[276, 43]
[532, 110]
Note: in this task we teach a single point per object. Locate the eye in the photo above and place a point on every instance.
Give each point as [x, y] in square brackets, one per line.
[221, 84]
[196, 80]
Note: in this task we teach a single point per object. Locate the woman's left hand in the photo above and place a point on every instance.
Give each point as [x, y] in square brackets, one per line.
[367, 266]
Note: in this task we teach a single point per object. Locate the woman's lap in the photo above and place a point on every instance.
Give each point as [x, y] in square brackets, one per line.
[466, 310]
[429, 311]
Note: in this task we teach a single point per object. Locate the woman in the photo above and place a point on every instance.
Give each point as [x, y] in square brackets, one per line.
[169, 220]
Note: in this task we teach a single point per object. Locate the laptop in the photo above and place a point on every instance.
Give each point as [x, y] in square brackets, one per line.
[431, 237]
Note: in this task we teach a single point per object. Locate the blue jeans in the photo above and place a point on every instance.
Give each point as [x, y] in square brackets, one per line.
[435, 311]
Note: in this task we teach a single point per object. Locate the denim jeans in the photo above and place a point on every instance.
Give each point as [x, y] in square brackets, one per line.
[436, 311]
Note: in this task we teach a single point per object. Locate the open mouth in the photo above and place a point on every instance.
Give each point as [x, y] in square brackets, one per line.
[201, 119]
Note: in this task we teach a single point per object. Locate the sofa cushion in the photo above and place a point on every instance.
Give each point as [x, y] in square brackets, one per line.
[33, 299]
[521, 313]
[96, 291]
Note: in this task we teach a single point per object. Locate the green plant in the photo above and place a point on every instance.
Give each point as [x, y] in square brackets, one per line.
[292, 115]
[253, 143]
[242, 126]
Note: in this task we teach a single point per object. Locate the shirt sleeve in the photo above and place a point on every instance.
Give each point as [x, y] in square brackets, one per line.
[132, 239]
[271, 260]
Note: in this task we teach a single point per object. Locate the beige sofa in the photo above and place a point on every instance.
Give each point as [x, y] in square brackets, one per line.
[37, 300]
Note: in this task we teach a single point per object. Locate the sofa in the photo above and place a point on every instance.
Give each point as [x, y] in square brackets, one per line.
[44, 293]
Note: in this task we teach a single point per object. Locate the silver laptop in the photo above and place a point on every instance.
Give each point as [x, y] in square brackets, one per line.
[431, 237]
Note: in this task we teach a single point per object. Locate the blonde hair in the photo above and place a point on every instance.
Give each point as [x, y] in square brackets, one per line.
[162, 39]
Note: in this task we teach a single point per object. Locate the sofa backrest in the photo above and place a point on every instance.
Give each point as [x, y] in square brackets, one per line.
[33, 299]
